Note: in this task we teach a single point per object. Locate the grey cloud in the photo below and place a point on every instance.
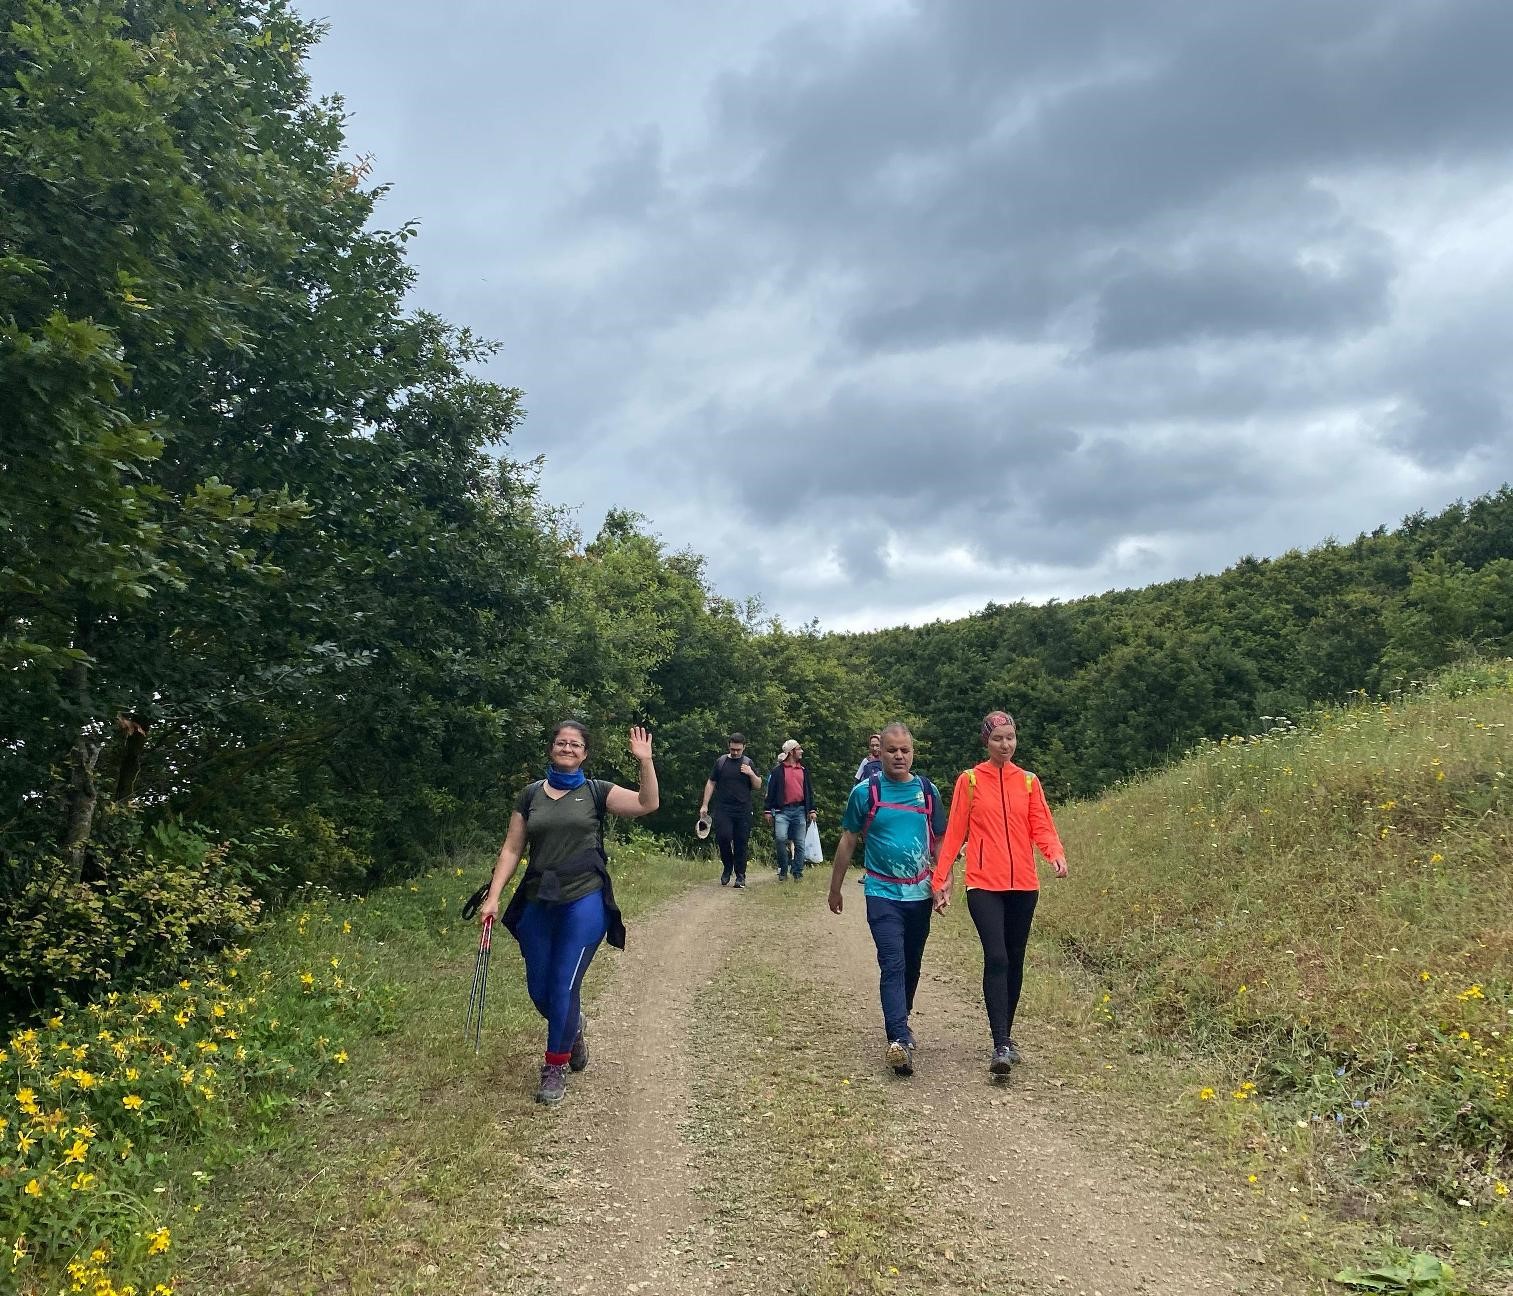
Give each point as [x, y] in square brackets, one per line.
[628, 183]
[862, 554]
[1230, 295]
[1047, 282]
[1441, 425]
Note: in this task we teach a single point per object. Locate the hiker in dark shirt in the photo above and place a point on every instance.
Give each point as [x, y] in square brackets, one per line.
[728, 789]
[565, 904]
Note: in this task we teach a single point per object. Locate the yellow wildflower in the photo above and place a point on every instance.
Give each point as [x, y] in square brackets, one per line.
[77, 1152]
[341, 1056]
[33, 1188]
[1206, 1094]
[83, 1181]
[132, 1102]
[158, 1241]
[307, 979]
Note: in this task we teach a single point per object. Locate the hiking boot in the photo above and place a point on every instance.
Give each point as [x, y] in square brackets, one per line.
[578, 1059]
[553, 1084]
[724, 879]
[901, 1057]
[1003, 1061]
[740, 884]
[1013, 1053]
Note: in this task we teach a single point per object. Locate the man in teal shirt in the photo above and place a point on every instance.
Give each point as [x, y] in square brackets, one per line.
[902, 817]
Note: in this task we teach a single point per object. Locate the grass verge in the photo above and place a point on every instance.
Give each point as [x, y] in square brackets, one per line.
[310, 1119]
[1306, 934]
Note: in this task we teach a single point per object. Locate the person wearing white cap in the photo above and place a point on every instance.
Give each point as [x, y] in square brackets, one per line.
[730, 784]
[789, 808]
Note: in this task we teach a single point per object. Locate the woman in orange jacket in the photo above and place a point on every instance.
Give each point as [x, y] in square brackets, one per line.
[999, 813]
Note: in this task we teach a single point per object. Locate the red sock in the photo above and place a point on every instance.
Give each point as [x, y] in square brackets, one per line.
[558, 1059]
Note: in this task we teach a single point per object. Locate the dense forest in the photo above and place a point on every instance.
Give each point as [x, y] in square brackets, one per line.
[278, 608]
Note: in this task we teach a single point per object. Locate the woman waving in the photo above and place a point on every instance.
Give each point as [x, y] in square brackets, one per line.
[565, 904]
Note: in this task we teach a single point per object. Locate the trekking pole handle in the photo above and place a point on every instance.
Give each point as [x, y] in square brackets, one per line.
[485, 941]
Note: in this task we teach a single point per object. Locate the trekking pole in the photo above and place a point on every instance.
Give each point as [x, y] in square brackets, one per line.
[479, 993]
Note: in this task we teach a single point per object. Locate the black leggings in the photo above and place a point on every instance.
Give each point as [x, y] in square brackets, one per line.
[1003, 925]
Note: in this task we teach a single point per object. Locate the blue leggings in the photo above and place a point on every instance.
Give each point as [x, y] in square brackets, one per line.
[558, 943]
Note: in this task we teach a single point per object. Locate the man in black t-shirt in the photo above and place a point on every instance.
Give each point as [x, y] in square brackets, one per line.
[728, 789]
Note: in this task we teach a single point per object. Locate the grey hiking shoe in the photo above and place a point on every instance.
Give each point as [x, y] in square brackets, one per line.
[1013, 1051]
[1003, 1060]
[579, 1058]
[553, 1084]
[901, 1057]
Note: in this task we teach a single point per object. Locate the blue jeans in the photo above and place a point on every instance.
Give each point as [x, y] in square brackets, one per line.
[900, 929]
[788, 828]
[557, 943]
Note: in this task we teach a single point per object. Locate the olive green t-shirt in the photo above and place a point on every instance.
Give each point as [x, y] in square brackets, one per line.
[556, 830]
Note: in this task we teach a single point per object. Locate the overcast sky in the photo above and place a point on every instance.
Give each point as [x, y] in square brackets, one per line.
[893, 309]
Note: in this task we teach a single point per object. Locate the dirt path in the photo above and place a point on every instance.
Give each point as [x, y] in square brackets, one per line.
[659, 1176]
[1032, 1198]
[611, 1205]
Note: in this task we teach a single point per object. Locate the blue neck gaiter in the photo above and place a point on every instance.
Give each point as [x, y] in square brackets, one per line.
[564, 782]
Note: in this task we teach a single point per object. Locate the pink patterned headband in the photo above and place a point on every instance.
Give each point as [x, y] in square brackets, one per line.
[992, 720]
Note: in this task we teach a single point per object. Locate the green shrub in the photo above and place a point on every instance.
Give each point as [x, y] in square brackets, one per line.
[102, 1106]
[159, 900]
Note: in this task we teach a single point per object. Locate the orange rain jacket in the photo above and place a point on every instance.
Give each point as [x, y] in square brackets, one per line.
[1000, 813]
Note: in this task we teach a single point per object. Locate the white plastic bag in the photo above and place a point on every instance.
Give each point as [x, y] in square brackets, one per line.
[814, 853]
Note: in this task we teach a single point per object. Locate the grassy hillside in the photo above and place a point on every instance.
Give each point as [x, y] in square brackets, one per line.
[1320, 920]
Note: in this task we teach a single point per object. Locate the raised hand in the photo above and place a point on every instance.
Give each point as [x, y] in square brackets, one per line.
[640, 743]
